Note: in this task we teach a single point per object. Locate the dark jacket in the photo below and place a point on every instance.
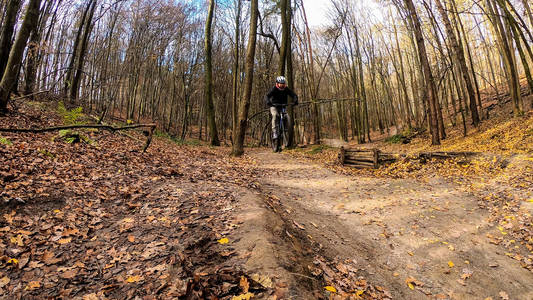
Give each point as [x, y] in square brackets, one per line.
[276, 96]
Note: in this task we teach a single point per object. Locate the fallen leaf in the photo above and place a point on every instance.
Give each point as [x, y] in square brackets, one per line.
[70, 231]
[245, 285]
[265, 281]
[132, 279]
[223, 241]
[504, 295]
[411, 282]
[91, 296]
[298, 225]
[48, 258]
[467, 273]
[33, 285]
[450, 264]
[4, 281]
[69, 274]
[17, 240]
[13, 261]
[64, 241]
[331, 288]
[246, 296]
[131, 238]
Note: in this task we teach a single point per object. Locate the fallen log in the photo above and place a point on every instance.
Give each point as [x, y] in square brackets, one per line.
[94, 126]
[444, 155]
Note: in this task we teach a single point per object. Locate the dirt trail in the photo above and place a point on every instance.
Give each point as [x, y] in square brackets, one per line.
[392, 230]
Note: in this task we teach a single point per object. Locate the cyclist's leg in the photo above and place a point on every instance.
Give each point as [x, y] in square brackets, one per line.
[275, 119]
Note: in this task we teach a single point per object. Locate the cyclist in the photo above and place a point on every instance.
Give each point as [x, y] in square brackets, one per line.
[276, 98]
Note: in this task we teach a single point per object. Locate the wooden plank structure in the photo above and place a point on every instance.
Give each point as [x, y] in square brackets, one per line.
[365, 158]
[373, 158]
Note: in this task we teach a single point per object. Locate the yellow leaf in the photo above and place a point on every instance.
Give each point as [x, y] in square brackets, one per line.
[223, 241]
[359, 293]
[530, 200]
[132, 279]
[13, 261]
[33, 285]
[57, 211]
[331, 288]
[64, 241]
[246, 296]
[450, 264]
[411, 286]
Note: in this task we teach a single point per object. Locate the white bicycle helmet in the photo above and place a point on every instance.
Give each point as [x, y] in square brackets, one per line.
[281, 79]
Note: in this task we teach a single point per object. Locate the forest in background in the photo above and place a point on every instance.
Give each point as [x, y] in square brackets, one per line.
[200, 68]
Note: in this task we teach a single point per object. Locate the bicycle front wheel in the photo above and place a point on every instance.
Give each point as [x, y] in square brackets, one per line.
[285, 135]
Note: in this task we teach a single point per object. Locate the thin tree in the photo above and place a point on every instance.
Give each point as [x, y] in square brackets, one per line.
[428, 75]
[80, 56]
[460, 58]
[236, 69]
[208, 45]
[6, 36]
[238, 146]
[15, 55]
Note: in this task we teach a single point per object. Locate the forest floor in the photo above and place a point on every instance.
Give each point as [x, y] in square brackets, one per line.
[99, 219]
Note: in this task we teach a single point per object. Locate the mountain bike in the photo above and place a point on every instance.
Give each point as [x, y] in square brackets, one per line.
[282, 128]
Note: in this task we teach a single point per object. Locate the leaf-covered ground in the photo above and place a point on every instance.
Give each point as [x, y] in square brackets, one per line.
[100, 219]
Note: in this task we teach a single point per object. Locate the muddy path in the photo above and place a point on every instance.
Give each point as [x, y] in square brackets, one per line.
[410, 239]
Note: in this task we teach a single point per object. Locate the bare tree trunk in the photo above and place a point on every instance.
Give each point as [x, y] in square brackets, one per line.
[236, 70]
[33, 56]
[460, 57]
[528, 11]
[74, 87]
[430, 84]
[211, 123]
[70, 69]
[8, 27]
[15, 55]
[238, 146]
[508, 56]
